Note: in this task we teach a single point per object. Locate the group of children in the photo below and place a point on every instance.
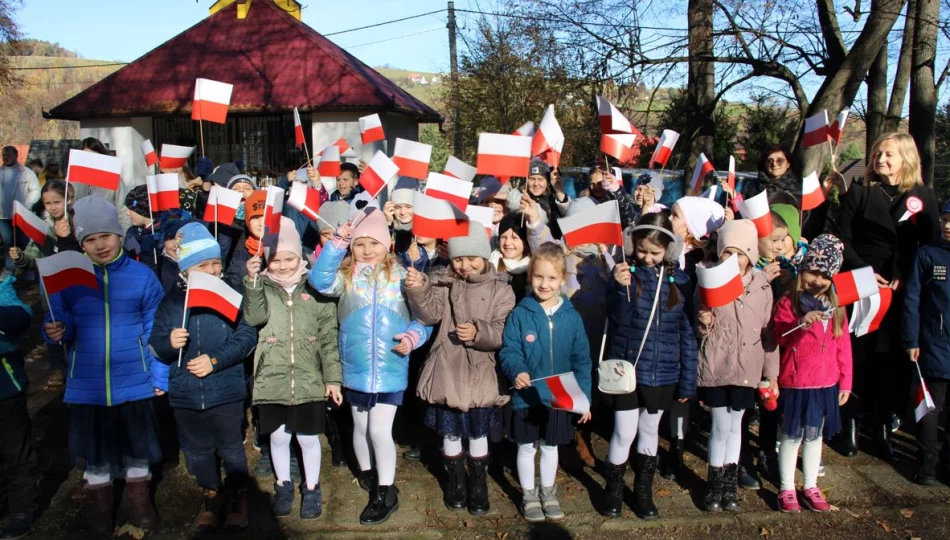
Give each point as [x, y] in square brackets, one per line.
[347, 328]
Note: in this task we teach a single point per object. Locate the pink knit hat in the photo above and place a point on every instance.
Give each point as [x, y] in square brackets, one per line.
[289, 238]
[374, 226]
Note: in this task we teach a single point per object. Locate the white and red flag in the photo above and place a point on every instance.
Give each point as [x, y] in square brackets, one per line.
[812, 194]
[700, 171]
[66, 269]
[299, 139]
[731, 175]
[868, 312]
[562, 392]
[412, 158]
[617, 145]
[162, 191]
[549, 135]
[552, 156]
[816, 130]
[371, 129]
[329, 164]
[664, 148]
[343, 146]
[222, 205]
[32, 225]
[207, 291]
[305, 199]
[94, 169]
[174, 156]
[436, 218]
[273, 209]
[378, 173]
[923, 402]
[855, 285]
[503, 155]
[151, 157]
[598, 225]
[450, 189]
[212, 99]
[612, 120]
[481, 214]
[837, 128]
[757, 209]
[459, 169]
[720, 285]
[526, 130]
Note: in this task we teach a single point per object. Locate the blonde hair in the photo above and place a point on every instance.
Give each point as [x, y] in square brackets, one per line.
[837, 316]
[552, 253]
[386, 266]
[909, 175]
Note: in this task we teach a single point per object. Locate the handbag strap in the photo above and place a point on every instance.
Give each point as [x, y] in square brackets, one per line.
[656, 301]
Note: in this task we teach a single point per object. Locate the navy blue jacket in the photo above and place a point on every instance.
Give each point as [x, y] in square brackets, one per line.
[15, 318]
[669, 354]
[227, 343]
[927, 309]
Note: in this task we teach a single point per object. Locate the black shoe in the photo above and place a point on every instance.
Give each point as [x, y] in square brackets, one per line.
[381, 506]
[643, 505]
[749, 478]
[18, 526]
[454, 494]
[478, 486]
[849, 437]
[337, 451]
[730, 487]
[283, 498]
[712, 501]
[413, 454]
[367, 479]
[768, 468]
[673, 463]
[882, 440]
[613, 491]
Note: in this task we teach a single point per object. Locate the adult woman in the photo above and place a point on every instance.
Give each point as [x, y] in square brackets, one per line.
[871, 225]
[775, 174]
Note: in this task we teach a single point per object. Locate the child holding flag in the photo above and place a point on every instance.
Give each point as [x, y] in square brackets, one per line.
[249, 246]
[373, 316]
[543, 338]
[113, 432]
[815, 370]
[206, 383]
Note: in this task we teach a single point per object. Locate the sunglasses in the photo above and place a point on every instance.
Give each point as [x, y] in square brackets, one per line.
[779, 161]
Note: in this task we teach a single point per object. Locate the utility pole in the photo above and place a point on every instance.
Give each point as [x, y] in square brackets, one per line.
[454, 63]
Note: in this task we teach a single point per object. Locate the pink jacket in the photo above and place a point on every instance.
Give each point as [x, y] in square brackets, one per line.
[812, 357]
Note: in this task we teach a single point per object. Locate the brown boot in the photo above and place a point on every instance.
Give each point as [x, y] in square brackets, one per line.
[101, 505]
[143, 512]
[583, 449]
[207, 518]
[238, 511]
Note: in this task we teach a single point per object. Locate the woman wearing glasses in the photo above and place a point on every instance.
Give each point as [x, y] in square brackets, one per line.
[775, 174]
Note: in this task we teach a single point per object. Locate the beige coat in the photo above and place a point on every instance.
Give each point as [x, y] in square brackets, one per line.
[462, 375]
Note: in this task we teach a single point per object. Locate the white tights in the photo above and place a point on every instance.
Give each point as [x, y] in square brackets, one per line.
[725, 436]
[373, 440]
[95, 479]
[788, 457]
[452, 446]
[526, 465]
[280, 452]
[634, 424]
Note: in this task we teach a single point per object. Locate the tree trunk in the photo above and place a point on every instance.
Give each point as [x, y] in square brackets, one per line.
[923, 92]
[701, 86]
[895, 110]
[877, 98]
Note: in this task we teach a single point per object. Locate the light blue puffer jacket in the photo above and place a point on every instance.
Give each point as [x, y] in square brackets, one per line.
[372, 312]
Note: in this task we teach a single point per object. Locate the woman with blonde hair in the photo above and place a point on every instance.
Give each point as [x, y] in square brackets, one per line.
[881, 224]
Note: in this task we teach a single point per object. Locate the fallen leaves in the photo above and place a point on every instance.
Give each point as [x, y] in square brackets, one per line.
[501, 535]
[764, 533]
[469, 524]
[663, 493]
[884, 525]
[907, 513]
[131, 530]
[834, 508]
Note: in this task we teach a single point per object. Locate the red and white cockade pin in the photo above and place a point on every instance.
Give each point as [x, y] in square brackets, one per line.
[914, 205]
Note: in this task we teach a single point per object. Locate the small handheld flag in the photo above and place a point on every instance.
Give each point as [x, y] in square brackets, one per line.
[453, 190]
[720, 285]
[855, 285]
[562, 392]
[757, 209]
[151, 158]
[32, 225]
[92, 169]
[371, 129]
[66, 269]
[162, 191]
[174, 157]
[212, 99]
[436, 218]
[598, 225]
[816, 130]
[664, 148]
[812, 194]
[378, 173]
[503, 155]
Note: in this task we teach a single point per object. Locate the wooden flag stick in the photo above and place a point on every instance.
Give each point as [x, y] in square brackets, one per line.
[184, 321]
[306, 152]
[201, 132]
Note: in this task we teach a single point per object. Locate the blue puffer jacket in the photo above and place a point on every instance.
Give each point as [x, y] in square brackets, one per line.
[15, 318]
[372, 312]
[541, 346]
[227, 343]
[926, 321]
[107, 335]
[669, 354]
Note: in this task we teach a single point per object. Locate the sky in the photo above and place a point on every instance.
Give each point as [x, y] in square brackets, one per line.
[124, 30]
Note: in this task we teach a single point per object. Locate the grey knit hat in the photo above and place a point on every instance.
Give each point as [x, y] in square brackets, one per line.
[238, 178]
[404, 190]
[475, 244]
[335, 212]
[93, 215]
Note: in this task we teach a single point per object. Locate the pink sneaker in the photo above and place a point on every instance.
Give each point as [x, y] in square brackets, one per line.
[815, 500]
[788, 502]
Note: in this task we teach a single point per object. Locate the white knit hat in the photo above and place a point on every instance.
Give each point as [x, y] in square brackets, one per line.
[702, 215]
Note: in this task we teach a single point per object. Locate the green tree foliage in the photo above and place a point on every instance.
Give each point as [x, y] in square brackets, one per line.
[850, 151]
[766, 123]
[9, 37]
[441, 146]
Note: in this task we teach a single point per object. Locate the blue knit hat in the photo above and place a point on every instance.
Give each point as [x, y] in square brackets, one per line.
[195, 246]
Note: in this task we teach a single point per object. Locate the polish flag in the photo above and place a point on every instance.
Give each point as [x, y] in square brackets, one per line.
[923, 402]
[812, 194]
[612, 120]
[549, 135]
[162, 191]
[305, 199]
[457, 168]
[449, 189]
[273, 208]
[330, 162]
[855, 285]
[816, 130]
[599, 225]
[562, 392]
[378, 173]
[702, 169]
[664, 148]
[371, 129]
[66, 269]
[868, 312]
[343, 146]
[526, 130]
[94, 169]
[222, 205]
[837, 128]
[298, 129]
[151, 158]
[481, 214]
[435, 218]
[207, 291]
[503, 155]
[720, 285]
[757, 209]
[32, 225]
[174, 157]
[617, 145]
[211, 101]
[731, 176]
[552, 156]
[412, 158]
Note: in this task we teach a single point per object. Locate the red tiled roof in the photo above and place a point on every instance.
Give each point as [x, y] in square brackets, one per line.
[274, 61]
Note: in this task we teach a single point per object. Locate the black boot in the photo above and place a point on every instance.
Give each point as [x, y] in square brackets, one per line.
[381, 505]
[613, 491]
[749, 477]
[643, 505]
[453, 491]
[478, 486]
[367, 480]
[849, 437]
[730, 487]
[882, 440]
[336, 449]
[713, 499]
[927, 471]
[673, 463]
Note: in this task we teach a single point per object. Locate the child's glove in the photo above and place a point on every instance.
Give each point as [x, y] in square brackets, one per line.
[204, 168]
